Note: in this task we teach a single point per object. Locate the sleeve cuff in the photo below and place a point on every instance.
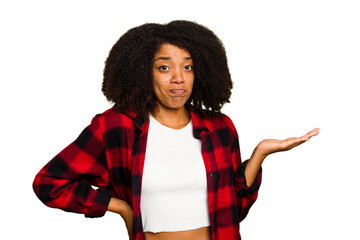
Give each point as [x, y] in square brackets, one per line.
[100, 205]
[241, 181]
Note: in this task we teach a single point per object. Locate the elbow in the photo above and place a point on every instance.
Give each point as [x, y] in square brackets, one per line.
[41, 189]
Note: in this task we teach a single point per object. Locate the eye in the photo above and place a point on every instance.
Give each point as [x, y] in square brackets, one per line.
[164, 68]
[188, 67]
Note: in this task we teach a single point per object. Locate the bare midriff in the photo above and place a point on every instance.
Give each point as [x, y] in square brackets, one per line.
[203, 233]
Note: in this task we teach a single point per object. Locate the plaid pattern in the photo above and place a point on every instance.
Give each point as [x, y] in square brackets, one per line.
[110, 153]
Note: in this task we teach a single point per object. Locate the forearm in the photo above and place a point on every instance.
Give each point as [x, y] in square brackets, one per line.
[118, 206]
[126, 212]
[253, 166]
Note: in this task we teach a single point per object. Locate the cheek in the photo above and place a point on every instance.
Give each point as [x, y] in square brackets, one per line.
[160, 80]
[191, 84]
[159, 88]
[160, 85]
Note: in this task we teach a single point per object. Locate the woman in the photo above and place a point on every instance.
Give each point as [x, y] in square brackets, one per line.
[164, 157]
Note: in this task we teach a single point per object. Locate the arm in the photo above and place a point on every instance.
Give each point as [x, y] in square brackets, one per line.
[248, 174]
[246, 194]
[269, 146]
[126, 212]
[65, 182]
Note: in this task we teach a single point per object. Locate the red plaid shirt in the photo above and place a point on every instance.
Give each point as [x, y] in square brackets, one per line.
[110, 153]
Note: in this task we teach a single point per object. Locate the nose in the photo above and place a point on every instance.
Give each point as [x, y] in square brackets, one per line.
[177, 76]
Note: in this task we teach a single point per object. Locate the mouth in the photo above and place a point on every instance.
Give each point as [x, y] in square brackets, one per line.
[177, 91]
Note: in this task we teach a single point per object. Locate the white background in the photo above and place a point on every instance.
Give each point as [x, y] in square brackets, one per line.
[295, 66]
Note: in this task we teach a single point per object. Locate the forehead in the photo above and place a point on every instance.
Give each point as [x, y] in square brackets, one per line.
[169, 50]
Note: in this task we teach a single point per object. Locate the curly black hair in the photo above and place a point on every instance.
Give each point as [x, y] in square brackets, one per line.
[128, 69]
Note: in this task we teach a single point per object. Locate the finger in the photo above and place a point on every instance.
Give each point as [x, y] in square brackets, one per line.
[291, 142]
[289, 145]
[294, 140]
[314, 132]
[310, 134]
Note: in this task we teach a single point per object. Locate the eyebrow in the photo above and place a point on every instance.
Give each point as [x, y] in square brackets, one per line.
[168, 58]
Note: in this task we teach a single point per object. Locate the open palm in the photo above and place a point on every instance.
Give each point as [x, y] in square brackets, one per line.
[269, 146]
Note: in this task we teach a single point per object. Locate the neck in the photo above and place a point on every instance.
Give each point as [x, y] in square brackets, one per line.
[172, 118]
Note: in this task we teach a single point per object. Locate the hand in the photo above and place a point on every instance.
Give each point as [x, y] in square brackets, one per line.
[269, 146]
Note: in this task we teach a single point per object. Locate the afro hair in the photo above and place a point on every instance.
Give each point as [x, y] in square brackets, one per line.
[128, 79]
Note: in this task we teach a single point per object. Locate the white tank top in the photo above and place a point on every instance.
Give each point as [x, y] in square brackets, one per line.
[174, 187]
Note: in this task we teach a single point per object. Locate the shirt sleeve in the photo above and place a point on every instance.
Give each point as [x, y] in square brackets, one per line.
[67, 181]
[246, 195]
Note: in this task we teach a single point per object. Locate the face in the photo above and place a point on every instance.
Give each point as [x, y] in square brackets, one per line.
[173, 77]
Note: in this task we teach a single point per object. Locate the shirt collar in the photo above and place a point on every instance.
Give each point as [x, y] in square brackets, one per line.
[139, 123]
[198, 122]
[199, 125]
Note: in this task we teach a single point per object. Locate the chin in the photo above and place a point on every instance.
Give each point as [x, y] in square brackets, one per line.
[175, 106]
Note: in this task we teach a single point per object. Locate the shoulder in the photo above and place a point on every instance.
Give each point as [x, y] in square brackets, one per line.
[221, 121]
[112, 118]
[217, 125]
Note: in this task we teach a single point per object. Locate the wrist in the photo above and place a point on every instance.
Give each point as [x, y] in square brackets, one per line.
[259, 153]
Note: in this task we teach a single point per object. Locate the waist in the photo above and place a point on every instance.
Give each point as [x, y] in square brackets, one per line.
[203, 233]
[174, 213]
